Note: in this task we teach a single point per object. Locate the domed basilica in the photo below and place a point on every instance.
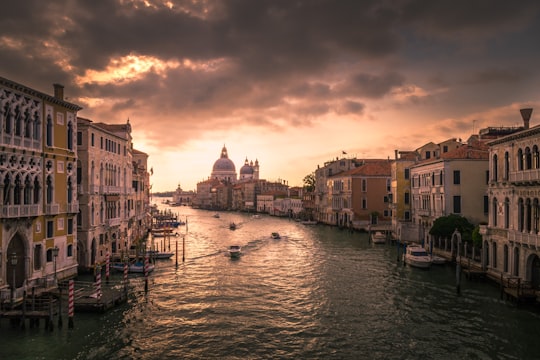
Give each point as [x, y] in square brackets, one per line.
[225, 170]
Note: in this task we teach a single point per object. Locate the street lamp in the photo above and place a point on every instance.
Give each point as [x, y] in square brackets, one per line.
[55, 254]
[14, 265]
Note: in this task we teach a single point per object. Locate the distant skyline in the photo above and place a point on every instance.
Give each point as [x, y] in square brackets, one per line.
[291, 84]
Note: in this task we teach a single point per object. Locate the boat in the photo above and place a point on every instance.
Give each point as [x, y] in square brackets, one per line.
[136, 267]
[309, 222]
[162, 232]
[417, 256]
[378, 237]
[159, 254]
[437, 260]
[275, 235]
[256, 216]
[235, 251]
[216, 215]
[232, 226]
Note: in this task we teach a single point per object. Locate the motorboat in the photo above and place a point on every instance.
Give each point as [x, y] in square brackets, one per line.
[417, 256]
[275, 235]
[309, 222]
[256, 216]
[216, 215]
[378, 237]
[235, 251]
[232, 226]
[163, 232]
[154, 254]
[437, 260]
[136, 267]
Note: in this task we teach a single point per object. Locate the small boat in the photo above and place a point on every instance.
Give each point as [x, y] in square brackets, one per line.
[162, 232]
[159, 254]
[309, 222]
[437, 260]
[235, 251]
[417, 256]
[275, 235]
[136, 267]
[232, 226]
[256, 216]
[216, 215]
[378, 237]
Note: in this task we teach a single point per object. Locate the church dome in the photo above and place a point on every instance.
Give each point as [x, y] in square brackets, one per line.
[224, 168]
[247, 169]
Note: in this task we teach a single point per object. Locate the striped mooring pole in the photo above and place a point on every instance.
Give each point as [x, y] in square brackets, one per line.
[71, 303]
[146, 273]
[98, 284]
[107, 266]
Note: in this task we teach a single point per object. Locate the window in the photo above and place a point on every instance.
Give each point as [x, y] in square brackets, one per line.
[70, 250]
[70, 226]
[92, 137]
[50, 228]
[407, 215]
[457, 177]
[49, 131]
[364, 185]
[457, 204]
[364, 203]
[407, 198]
[407, 173]
[37, 257]
[428, 155]
[70, 136]
[49, 255]
[79, 138]
[486, 204]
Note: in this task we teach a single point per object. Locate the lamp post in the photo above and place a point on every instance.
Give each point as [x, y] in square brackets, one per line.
[13, 259]
[55, 254]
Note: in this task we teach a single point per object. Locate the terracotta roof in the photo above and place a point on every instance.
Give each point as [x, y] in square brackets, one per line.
[476, 150]
[370, 167]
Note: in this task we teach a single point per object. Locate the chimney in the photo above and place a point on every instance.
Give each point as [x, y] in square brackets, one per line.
[59, 91]
[526, 116]
[396, 154]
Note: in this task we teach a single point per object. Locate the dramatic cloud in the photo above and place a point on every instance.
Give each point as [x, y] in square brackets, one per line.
[287, 82]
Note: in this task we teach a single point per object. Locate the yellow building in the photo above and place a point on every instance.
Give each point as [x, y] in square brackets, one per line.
[38, 209]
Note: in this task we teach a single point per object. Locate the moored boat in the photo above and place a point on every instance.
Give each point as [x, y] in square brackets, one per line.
[275, 235]
[232, 226]
[378, 237]
[136, 267]
[309, 222]
[235, 251]
[417, 256]
[159, 254]
[437, 260]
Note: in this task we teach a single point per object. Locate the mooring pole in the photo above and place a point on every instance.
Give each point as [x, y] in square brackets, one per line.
[183, 248]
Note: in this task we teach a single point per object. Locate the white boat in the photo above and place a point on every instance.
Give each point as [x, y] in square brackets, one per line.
[235, 251]
[159, 254]
[162, 232]
[309, 222]
[136, 267]
[437, 260]
[417, 256]
[275, 235]
[216, 215]
[256, 216]
[378, 237]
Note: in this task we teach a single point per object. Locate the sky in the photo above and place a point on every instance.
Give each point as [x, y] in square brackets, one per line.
[290, 83]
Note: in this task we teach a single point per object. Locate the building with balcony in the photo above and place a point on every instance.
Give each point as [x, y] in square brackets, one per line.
[113, 191]
[38, 208]
[511, 238]
[451, 182]
[400, 200]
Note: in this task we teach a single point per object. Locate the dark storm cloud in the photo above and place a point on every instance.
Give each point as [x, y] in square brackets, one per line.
[329, 56]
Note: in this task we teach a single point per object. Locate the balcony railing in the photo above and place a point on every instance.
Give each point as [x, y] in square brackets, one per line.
[52, 209]
[113, 222]
[525, 176]
[72, 208]
[531, 240]
[14, 211]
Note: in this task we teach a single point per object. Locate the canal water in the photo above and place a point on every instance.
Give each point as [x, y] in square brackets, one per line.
[316, 293]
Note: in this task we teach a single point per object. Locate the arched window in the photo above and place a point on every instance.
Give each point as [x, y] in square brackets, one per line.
[505, 258]
[535, 216]
[535, 159]
[521, 211]
[49, 135]
[18, 121]
[17, 190]
[520, 159]
[516, 262]
[27, 190]
[7, 190]
[506, 165]
[506, 213]
[49, 184]
[69, 191]
[528, 215]
[37, 191]
[37, 126]
[495, 212]
[528, 158]
[70, 136]
[495, 168]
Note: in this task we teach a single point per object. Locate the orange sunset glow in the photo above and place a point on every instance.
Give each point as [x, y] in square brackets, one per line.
[292, 84]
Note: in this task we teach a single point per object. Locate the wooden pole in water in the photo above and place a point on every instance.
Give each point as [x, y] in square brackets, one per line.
[183, 248]
[176, 253]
